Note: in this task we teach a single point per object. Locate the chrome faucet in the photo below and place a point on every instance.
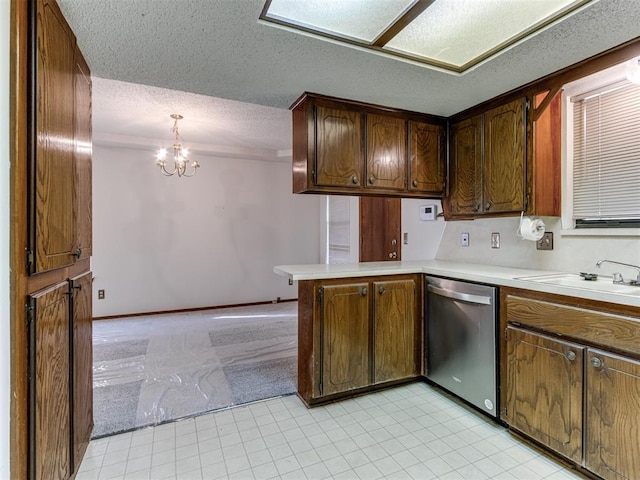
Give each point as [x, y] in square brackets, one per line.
[617, 277]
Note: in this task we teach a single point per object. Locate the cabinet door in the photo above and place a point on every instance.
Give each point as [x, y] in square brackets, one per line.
[52, 224]
[82, 366]
[465, 188]
[82, 155]
[395, 355]
[612, 416]
[386, 152]
[49, 414]
[544, 390]
[504, 158]
[345, 338]
[427, 153]
[339, 155]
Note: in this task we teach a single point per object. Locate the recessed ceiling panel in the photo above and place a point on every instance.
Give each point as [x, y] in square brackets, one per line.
[453, 35]
[361, 20]
[458, 32]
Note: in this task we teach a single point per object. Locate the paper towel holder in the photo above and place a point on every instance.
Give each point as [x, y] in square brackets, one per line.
[536, 232]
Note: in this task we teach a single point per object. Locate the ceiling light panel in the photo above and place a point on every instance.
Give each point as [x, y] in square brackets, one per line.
[458, 33]
[360, 20]
[453, 35]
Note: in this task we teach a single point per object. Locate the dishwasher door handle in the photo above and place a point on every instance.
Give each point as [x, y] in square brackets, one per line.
[465, 297]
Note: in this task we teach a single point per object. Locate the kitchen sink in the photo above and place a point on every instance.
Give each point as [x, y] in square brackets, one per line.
[573, 280]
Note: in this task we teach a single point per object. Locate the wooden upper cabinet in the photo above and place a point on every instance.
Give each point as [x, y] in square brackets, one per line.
[427, 158]
[339, 153]
[59, 174]
[82, 156]
[52, 226]
[465, 167]
[544, 390]
[353, 148]
[504, 171]
[612, 415]
[344, 314]
[49, 417]
[396, 342]
[487, 163]
[386, 152]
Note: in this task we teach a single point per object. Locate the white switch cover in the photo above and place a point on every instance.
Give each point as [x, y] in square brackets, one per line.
[464, 239]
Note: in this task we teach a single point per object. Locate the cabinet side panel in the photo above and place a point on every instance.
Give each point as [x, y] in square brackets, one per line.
[82, 367]
[307, 353]
[82, 155]
[613, 416]
[547, 143]
[301, 150]
[54, 184]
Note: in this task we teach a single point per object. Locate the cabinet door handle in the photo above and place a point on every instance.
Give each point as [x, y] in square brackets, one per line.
[487, 206]
[364, 291]
[571, 355]
[77, 253]
[393, 255]
[415, 183]
[596, 362]
[381, 290]
[372, 179]
[354, 179]
[476, 207]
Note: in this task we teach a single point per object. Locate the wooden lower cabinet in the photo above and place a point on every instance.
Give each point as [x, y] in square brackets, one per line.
[60, 378]
[394, 342]
[49, 421]
[565, 388]
[544, 390]
[612, 415]
[345, 337]
[356, 333]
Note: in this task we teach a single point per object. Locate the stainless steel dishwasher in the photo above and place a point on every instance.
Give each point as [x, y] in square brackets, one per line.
[461, 340]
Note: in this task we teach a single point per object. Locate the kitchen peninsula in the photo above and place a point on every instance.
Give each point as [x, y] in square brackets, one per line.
[568, 349]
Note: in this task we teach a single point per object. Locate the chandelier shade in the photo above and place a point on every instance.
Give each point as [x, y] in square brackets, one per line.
[182, 166]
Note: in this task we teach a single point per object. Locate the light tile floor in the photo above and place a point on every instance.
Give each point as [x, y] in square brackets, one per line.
[408, 432]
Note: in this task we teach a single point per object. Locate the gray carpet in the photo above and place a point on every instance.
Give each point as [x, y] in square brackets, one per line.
[155, 369]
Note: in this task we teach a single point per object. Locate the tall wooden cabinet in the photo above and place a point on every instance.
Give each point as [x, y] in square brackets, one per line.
[386, 152]
[354, 334]
[58, 246]
[487, 163]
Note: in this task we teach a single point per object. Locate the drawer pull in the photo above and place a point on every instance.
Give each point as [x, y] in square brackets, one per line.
[571, 355]
[596, 362]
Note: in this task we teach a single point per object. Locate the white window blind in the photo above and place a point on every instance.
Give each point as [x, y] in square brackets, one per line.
[606, 154]
[338, 229]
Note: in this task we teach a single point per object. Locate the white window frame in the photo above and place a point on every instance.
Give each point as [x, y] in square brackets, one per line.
[577, 87]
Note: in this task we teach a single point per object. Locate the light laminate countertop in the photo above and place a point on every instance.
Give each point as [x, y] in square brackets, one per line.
[561, 283]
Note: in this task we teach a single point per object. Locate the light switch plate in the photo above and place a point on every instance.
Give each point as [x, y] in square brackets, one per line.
[495, 240]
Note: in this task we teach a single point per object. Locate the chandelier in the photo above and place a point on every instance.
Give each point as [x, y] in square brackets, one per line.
[181, 164]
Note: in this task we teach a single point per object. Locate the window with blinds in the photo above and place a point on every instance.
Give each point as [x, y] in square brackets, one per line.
[606, 157]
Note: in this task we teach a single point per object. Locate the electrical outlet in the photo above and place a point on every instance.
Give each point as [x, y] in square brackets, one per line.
[546, 242]
[495, 240]
[100, 294]
[464, 239]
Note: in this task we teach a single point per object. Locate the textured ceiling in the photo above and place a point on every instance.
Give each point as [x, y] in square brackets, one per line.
[218, 48]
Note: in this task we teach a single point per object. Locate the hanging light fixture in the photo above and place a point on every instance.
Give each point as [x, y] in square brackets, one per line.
[181, 165]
